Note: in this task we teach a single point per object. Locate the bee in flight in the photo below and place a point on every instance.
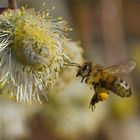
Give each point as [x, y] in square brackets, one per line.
[105, 80]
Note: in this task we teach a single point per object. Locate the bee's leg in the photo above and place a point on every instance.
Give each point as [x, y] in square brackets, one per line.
[92, 86]
[97, 86]
[86, 80]
[93, 101]
[82, 79]
[92, 107]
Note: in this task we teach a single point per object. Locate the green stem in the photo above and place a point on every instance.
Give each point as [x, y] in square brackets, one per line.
[12, 4]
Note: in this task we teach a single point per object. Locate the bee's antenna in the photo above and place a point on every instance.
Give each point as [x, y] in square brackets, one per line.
[72, 64]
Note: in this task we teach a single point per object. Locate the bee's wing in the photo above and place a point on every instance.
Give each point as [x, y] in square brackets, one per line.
[123, 67]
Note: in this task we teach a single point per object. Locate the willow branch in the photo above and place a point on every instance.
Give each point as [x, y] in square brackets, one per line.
[12, 4]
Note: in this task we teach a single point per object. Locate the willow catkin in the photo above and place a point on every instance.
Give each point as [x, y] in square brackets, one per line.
[31, 52]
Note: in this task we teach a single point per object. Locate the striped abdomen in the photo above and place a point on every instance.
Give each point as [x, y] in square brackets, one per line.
[121, 88]
[117, 86]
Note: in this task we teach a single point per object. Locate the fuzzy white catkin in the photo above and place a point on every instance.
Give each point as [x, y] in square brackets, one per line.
[31, 53]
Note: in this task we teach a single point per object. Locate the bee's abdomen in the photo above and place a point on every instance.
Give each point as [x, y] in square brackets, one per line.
[121, 88]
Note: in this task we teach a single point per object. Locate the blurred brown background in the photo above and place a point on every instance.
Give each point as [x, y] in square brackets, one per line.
[109, 31]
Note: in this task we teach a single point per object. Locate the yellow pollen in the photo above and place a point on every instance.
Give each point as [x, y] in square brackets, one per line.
[102, 96]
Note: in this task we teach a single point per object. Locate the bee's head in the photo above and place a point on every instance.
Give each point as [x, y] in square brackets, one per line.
[84, 70]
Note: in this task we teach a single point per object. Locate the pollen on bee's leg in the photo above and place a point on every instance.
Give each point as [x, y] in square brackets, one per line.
[102, 96]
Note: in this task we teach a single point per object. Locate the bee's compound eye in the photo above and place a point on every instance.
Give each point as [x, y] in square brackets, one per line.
[85, 67]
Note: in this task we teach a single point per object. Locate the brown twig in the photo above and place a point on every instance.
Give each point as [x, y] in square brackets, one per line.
[12, 4]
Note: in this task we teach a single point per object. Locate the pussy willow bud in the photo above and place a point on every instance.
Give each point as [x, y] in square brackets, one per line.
[31, 52]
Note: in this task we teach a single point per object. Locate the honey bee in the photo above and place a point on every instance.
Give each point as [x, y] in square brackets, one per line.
[105, 80]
